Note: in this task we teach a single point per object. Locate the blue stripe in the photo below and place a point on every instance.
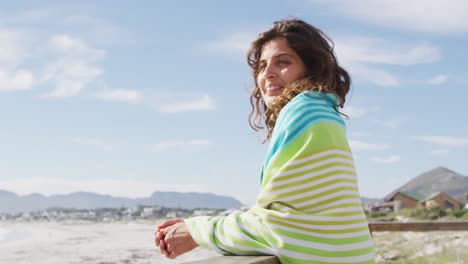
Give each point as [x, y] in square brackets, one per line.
[292, 114]
[303, 111]
[309, 109]
[285, 139]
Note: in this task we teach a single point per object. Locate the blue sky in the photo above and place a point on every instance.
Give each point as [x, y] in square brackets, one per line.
[127, 98]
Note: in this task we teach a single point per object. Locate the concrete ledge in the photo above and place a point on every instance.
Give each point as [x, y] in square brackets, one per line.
[238, 260]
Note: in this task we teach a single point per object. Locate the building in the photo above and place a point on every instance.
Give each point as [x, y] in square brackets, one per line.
[402, 200]
[442, 200]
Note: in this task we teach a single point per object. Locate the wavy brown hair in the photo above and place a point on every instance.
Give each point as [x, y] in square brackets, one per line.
[322, 70]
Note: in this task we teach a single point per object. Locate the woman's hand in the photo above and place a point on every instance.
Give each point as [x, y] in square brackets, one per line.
[173, 238]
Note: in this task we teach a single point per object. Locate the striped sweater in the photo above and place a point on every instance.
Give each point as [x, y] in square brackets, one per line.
[308, 209]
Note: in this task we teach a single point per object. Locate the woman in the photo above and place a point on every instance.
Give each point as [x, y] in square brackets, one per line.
[309, 208]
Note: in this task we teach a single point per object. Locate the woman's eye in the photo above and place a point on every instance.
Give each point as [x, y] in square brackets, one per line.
[282, 62]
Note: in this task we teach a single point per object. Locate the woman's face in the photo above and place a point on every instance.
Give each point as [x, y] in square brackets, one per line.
[279, 65]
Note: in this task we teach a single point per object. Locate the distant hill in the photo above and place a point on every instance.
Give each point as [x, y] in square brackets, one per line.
[13, 203]
[436, 180]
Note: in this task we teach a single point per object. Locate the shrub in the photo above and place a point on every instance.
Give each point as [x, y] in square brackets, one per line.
[431, 213]
[459, 213]
[465, 216]
[376, 214]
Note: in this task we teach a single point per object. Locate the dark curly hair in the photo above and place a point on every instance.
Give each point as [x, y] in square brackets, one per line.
[323, 72]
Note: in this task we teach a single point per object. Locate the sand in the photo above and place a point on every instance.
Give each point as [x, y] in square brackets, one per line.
[85, 243]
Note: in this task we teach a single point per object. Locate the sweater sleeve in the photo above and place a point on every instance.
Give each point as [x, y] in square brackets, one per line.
[308, 209]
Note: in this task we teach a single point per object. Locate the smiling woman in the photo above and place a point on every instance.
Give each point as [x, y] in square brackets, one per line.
[308, 209]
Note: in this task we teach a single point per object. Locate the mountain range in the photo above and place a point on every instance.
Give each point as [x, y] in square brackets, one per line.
[13, 203]
[439, 179]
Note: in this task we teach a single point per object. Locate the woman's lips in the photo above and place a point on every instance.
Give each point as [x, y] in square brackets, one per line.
[273, 90]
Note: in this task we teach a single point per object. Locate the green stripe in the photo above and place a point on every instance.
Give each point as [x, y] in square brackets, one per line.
[233, 224]
[237, 241]
[276, 240]
[343, 205]
[308, 189]
[308, 180]
[324, 222]
[324, 240]
[326, 253]
[277, 206]
[332, 136]
[312, 170]
[262, 211]
[343, 214]
[322, 194]
[194, 224]
[317, 160]
[331, 200]
[318, 230]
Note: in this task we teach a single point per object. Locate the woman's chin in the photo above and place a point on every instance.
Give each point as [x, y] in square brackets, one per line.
[270, 100]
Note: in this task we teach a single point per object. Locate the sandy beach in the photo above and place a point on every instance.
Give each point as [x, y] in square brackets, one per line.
[84, 243]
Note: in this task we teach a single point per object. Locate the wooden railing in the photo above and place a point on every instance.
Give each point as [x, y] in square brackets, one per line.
[374, 227]
[418, 226]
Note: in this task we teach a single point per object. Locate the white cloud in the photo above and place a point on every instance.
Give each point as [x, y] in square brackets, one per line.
[95, 143]
[13, 52]
[357, 145]
[238, 42]
[438, 79]
[205, 103]
[444, 140]
[65, 43]
[114, 187]
[69, 64]
[75, 67]
[178, 144]
[120, 95]
[388, 123]
[385, 160]
[362, 55]
[440, 152]
[99, 30]
[14, 81]
[379, 51]
[12, 47]
[433, 16]
[373, 74]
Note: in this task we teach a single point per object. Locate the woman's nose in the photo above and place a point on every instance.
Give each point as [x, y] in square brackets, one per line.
[270, 71]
